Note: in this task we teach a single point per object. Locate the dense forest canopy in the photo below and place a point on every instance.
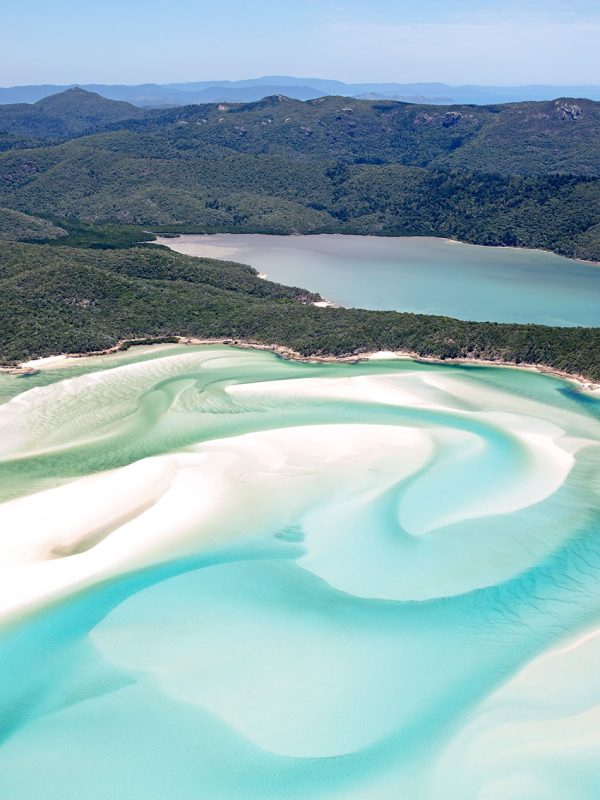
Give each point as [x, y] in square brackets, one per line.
[524, 174]
[55, 299]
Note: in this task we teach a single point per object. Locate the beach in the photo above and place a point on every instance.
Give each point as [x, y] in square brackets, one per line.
[296, 567]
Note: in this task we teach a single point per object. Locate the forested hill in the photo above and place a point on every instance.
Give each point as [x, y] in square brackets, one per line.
[525, 174]
[63, 299]
[61, 116]
[519, 138]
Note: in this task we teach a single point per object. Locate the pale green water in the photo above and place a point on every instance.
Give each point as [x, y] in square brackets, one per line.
[419, 274]
[233, 577]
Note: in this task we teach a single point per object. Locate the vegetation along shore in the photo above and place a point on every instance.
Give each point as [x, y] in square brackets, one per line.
[75, 300]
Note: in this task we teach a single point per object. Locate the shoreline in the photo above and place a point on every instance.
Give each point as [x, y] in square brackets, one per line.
[32, 367]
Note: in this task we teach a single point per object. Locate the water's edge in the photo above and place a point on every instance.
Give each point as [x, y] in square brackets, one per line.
[585, 383]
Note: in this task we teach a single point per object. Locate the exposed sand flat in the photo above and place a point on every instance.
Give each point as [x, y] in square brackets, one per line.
[161, 507]
[47, 361]
[540, 729]
[58, 415]
[165, 507]
[395, 390]
[550, 453]
[339, 579]
[190, 247]
[384, 355]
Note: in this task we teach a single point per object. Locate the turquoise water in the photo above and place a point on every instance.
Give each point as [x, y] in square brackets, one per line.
[224, 575]
[422, 275]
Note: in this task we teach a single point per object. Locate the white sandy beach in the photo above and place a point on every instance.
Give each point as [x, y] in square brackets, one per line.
[169, 506]
[162, 507]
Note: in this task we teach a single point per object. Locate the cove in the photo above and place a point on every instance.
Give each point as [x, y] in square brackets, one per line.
[418, 274]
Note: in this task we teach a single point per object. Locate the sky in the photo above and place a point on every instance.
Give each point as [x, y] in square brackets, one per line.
[452, 41]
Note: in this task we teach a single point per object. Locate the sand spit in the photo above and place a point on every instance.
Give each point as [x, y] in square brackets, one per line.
[174, 505]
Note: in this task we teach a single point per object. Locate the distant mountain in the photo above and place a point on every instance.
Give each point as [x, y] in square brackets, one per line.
[176, 94]
[61, 116]
[561, 136]
[88, 108]
[558, 136]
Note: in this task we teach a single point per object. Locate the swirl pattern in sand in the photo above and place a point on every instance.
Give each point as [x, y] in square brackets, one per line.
[224, 575]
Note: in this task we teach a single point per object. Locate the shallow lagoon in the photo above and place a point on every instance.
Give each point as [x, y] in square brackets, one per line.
[225, 575]
[419, 274]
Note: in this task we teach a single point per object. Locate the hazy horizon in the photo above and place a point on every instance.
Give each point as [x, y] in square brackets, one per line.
[449, 42]
[333, 79]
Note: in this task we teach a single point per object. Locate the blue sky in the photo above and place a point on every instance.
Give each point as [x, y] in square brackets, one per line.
[454, 41]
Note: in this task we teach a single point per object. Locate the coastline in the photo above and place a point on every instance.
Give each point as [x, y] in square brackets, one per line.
[288, 353]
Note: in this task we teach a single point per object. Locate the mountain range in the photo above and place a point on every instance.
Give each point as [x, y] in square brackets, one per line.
[243, 91]
[85, 179]
[524, 174]
[559, 136]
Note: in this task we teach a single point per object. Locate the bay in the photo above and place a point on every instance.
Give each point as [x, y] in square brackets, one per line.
[419, 274]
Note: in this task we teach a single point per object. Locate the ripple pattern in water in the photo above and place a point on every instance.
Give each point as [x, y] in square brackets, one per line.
[224, 575]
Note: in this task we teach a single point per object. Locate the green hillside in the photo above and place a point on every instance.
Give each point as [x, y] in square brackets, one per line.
[523, 174]
[517, 138]
[89, 179]
[61, 116]
[56, 300]
[15, 226]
